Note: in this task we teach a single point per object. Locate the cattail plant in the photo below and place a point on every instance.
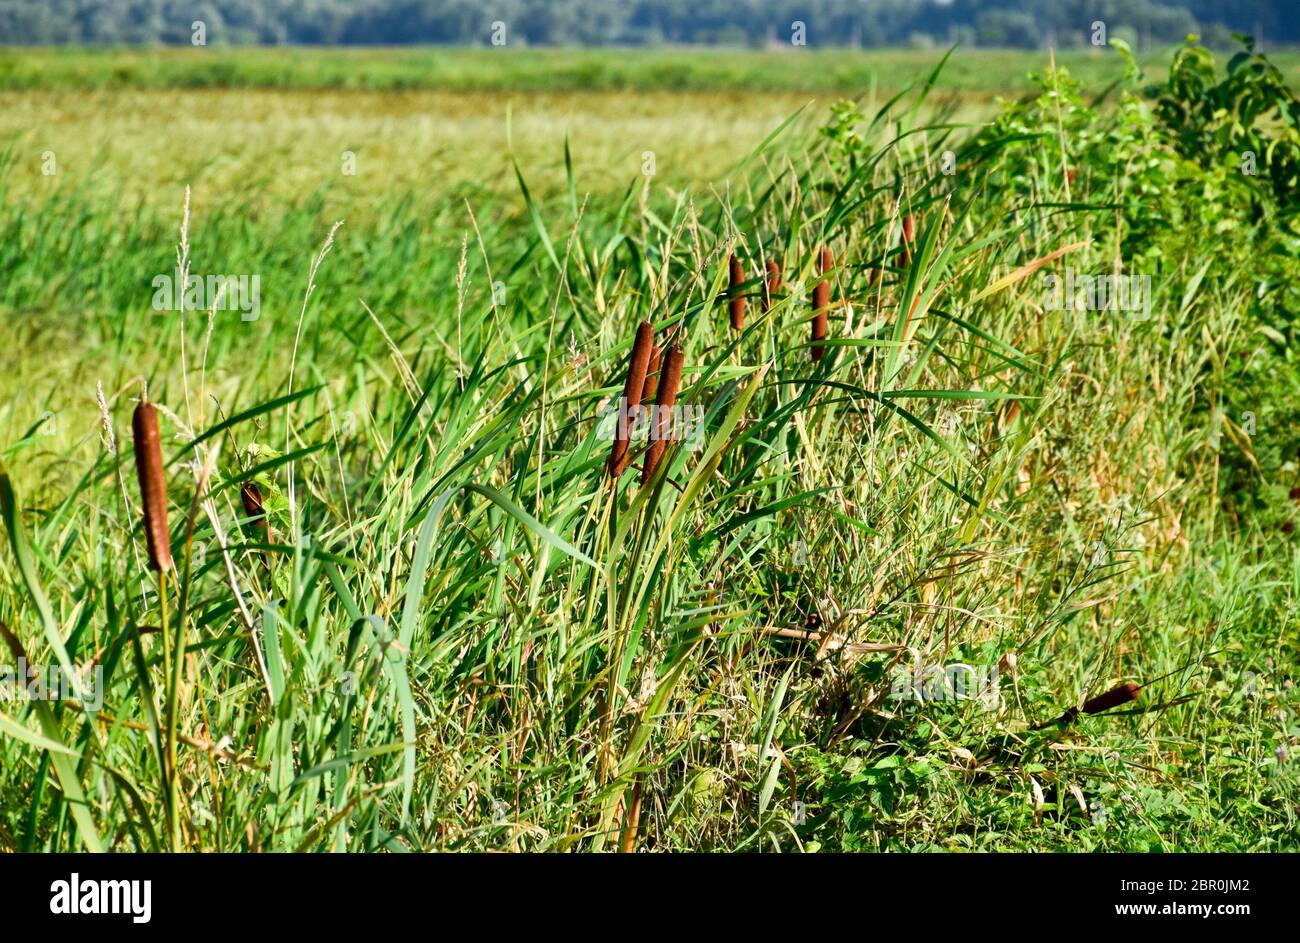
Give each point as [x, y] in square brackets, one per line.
[771, 285]
[251, 497]
[153, 494]
[632, 390]
[670, 381]
[627, 841]
[736, 300]
[153, 487]
[821, 300]
[1112, 698]
[909, 231]
[1102, 702]
[652, 374]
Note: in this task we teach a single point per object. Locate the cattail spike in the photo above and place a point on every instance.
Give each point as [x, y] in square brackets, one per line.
[909, 231]
[652, 374]
[153, 487]
[1112, 698]
[821, 301]
[1102, 702]
[632, 389]
[670, 381]
[736, 304]
[251, 496]
[771, 285]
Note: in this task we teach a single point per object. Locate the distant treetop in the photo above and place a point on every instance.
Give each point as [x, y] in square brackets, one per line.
[1014, 23]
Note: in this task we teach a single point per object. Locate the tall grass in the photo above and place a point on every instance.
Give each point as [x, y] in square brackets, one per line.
[438, 626]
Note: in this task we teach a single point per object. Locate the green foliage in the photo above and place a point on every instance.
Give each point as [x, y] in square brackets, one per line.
[1249, 120]
[457, 634]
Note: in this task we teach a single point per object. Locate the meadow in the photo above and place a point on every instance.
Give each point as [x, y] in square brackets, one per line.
[443, 624]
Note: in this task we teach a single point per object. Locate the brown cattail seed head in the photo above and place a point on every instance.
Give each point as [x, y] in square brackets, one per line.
[670, 381]
[736, 303]
[632, 388]
[909, 230]
[652, 374]
[1112, 698]
[821, 300]
[251, 496]
[771, 285]
[153, 488]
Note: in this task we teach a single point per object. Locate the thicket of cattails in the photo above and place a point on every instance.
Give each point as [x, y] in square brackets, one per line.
[670, 381]
[821, 301]
[909, 232]
[633, 388]
[771, 285]
[735, 299]
[153, 487]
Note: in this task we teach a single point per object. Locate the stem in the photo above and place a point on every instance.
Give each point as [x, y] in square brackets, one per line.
[172, 658]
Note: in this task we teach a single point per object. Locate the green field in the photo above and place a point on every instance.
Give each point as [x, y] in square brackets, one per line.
[452, 630]
[975, 72]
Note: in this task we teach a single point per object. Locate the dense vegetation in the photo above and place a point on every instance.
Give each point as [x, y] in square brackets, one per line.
[445, 627]
[1025, 23]
[974, 76]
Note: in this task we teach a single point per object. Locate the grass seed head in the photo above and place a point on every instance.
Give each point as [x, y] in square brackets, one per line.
[153, 487]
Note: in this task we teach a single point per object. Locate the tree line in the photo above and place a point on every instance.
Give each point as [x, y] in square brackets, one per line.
[1005, 23]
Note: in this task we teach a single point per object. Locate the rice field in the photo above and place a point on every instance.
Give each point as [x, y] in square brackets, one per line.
[785, 465]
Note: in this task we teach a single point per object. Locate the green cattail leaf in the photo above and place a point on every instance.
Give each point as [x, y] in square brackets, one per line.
[16, 730]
